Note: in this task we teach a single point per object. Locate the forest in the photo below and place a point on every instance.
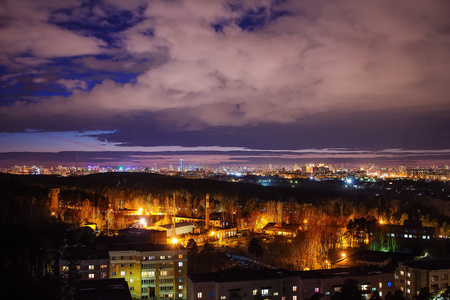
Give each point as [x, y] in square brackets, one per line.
[333, 217]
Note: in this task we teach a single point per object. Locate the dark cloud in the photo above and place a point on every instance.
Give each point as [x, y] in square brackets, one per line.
[255, 74]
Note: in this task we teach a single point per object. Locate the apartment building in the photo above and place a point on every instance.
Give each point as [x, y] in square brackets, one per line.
[87, 263]
[151, 270]
[287, 285]
[412, 276]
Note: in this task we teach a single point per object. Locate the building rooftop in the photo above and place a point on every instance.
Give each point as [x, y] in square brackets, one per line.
[240, 275]
[83, 253]
[107, 289]
[145, 247]
[177, 225]
[345, 272]
[439, 264]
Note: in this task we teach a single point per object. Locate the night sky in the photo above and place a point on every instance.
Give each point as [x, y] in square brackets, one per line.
[224, 82]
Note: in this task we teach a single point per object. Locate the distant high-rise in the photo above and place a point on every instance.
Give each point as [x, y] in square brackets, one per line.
[181, 167]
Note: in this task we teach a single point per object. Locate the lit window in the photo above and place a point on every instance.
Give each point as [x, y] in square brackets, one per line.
[91, 267]
[410, 236]
[275, 293]
[223, 297]
[162, 257]
[65, 268]
[180, 256]
[381, 294]
[294, 297]
[91, 275]
[78, 267]
[122, 273]
[409, 274]
[211, 294]
[151, 258]
[316, 290]
[255, 292]
[380, 284]
[180, 287]
[264, 292]
[131, 280]
[389, 284]
[199, 295]
[402, 273]
[103, 267]
[180, 263]
[180, 279]
[180, 295]
[408, 282]
[131, 273]
[164, 273]
[294, 288]
[408, 291]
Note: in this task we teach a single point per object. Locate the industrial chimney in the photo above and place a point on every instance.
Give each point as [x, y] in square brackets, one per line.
[53, 200]
[207, 212]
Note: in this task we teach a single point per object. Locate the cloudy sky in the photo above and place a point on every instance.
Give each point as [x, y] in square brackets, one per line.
[225, 82]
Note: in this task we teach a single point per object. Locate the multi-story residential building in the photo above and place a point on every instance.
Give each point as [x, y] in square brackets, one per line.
[412, 276]
[287, 285]
[327, 282]
[152, 271]
[88, 263]
[244, 285]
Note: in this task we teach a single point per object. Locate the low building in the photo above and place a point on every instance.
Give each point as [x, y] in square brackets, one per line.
[412, 276]
[282, 229]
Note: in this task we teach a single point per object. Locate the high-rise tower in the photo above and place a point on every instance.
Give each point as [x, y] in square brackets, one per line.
[181, 167]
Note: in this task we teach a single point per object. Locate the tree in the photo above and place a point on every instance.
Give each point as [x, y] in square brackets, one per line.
[254, 248]
[424, 294]
[192, 252]
[349, 291]
[192, 249]
[398, 295]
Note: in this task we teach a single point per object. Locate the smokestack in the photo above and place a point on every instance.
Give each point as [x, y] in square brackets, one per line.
[54, 201]
[280, 212]
[207, 212]
[173, 220]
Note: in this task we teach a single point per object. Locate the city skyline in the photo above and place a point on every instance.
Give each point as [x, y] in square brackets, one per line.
[224, 82]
